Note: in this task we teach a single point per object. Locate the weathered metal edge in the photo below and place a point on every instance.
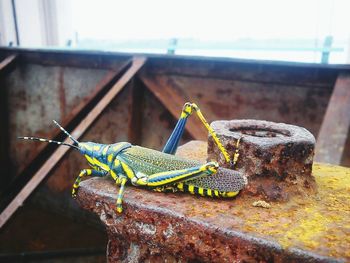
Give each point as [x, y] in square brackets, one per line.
[262, 247]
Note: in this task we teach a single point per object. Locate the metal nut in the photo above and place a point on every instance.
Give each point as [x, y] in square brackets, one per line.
[276, 157]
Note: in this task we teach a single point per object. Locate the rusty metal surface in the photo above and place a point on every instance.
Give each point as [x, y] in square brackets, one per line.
[7, 63]
[267, 72]
[63, 233]
[110, 127]
[182, 227]
[276, 157]
[78, 131]
[336, 123]
[36, 97]
[66, 58]
[234, 99]
[173, 98]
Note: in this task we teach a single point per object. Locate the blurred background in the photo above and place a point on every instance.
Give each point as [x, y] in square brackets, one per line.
[304, 31]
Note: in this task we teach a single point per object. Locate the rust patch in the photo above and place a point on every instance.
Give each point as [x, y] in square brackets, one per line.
[181, 227]
[62, 94]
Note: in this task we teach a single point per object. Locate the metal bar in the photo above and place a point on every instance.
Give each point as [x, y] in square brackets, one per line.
[14, 13]
[335, 127]
[4, 64]
[326, 49]
[107, 79]
[138, 62]
[37, 156]
[173, 101]
[136, 102]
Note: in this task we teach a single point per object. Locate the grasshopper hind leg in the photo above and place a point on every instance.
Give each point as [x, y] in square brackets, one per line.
[225, 183]
[173, 141]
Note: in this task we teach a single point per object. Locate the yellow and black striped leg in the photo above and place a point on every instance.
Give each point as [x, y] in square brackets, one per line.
[172, 143]
[122, 181]
[81, 175]
[170, 177]
[236, 154]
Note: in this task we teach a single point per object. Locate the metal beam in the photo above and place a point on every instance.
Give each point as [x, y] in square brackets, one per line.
[7, 62]
[38, 155]
[67, 120]
[137, 63]
[136, 108]
[335, 126]
[173, 100]
[6, 66]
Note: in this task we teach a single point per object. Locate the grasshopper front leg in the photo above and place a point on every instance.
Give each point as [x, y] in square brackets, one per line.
[83, 173]
[122, 181]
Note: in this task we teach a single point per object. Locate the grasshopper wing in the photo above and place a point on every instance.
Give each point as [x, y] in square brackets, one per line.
[225, 180]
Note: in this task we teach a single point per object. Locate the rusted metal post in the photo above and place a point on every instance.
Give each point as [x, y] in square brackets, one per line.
[336, 123]
[6, 66]
[136, 105]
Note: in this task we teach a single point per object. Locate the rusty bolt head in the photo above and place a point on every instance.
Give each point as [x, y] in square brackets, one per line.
[276, 157]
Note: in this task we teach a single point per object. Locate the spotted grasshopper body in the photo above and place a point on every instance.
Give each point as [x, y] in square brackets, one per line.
[155, 170]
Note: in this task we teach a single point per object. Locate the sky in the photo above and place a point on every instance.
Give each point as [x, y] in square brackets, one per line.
[211, 20]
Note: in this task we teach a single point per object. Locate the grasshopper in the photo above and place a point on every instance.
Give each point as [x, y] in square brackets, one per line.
[159, 171]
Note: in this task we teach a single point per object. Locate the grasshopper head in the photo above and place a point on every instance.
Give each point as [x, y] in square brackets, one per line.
[91, 151]
[95, 154]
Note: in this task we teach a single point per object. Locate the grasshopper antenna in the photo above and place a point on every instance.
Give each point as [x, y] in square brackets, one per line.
[70, 136]
[49, 141]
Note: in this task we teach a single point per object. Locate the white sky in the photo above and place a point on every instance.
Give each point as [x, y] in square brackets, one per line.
[211, 20]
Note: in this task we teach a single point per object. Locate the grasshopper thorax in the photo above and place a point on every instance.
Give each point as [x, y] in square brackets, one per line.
[91, 149]
[101, 155]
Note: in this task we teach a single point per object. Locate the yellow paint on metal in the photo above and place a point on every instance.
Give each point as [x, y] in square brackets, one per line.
[319, 223]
